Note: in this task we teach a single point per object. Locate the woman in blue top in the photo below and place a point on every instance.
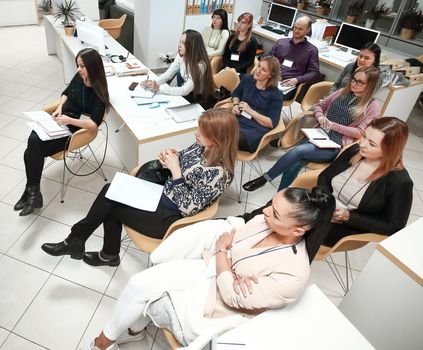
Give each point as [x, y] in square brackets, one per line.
[257, 102]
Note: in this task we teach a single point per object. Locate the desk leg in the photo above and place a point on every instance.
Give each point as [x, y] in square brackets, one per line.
[68, 63]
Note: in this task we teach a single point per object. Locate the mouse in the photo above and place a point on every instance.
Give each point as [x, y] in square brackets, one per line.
[154, 105]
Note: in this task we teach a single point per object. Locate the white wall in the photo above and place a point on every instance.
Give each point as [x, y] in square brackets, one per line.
[18, 12]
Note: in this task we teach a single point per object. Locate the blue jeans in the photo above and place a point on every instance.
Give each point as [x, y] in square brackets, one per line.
[296, 158]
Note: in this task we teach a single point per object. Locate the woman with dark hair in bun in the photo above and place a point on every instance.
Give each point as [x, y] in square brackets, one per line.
[261, 265]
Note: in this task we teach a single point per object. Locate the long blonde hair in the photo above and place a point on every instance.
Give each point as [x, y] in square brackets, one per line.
[247, 38]
[221, 128]
[372, 74]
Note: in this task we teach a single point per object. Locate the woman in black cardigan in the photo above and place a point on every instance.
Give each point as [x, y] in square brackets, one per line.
[373, 190]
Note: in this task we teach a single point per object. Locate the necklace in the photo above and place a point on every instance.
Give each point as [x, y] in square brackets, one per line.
[346, 181]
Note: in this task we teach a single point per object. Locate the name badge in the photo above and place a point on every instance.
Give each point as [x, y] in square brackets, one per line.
[234, 57]
[287, 63]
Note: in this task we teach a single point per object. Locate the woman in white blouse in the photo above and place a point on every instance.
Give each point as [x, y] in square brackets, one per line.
[192, 69]
[216, 35]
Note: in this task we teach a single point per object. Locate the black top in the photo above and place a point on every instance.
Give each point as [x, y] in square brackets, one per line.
[246, 58]
[385, 205]
[82, 100]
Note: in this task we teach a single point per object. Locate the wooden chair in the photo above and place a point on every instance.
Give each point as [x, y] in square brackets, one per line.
[113, 25]
[216, 64]
[79, 142]
[315, 93]
[148, 244]
[288, 103]
[227, 78]
[346, 244]
[244, 156]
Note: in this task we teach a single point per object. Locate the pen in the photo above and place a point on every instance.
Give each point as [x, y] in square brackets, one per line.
[319, 138]
[223, 343]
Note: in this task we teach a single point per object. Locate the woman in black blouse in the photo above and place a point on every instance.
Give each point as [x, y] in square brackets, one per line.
[86, 94]
[241, 47]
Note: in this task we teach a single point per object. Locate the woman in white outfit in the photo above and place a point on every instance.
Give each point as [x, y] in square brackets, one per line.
[216, 35]
[209, 279]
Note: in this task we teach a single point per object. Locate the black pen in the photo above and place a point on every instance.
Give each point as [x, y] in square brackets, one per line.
[320, 138]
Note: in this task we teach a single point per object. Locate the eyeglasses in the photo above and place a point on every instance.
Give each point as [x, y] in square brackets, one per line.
[358, 82]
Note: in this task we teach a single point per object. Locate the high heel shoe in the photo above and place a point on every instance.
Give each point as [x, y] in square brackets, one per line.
[75, 248]
[22, 201]
[35, 200]
[255, 184]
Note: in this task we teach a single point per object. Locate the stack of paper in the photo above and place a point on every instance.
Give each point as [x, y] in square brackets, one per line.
[45, 126]
[285, 88]
[185, 113]
[129, 68]
[319, 138]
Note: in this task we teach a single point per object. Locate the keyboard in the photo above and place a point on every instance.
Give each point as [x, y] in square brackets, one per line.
[342, 56]
[274, 30]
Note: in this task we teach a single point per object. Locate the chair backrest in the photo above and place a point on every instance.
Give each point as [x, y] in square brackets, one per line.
[216, 64]
[315, 93]
[113, 25]
[292, 100]
[228, 78]
[292, 133]
[251, 69]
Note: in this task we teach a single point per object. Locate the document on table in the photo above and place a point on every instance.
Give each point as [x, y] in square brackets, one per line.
[45, 126]
[139, 91]
[136, 193]
[185, 113]
[319, 138]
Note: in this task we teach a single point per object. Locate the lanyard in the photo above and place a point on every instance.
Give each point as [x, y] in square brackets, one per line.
[216, 37]
[346, 181]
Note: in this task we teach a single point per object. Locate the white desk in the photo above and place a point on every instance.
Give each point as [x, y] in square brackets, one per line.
[396, 101]
[386, 301]
[313, 322]
[146, 131]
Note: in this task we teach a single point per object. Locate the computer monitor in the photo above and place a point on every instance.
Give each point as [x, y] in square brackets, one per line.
[282, 15]
[355, 37]
[91, 35]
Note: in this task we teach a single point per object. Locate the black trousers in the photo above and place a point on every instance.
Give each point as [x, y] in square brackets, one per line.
[337, 232]
[243, 143]
[113, 214]
[35, 153]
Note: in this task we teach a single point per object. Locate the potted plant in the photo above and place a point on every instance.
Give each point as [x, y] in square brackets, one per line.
[354, 10]
[323, 8]
[411, 24]
[46, 7]
[374, 13]
[68, 10]
[302, 4]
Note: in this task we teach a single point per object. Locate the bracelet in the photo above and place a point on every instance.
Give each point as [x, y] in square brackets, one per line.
[221, 251]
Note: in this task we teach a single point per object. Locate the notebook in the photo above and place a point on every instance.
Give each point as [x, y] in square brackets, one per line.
[185, 113]
[319, 138]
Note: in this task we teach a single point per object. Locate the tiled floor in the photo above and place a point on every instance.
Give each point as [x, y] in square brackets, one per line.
[60, 303]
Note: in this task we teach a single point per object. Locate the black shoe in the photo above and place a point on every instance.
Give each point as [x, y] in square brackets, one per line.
[274, 143]
[35, 200]
[255, 184]
[101, 259]
[75, 248]
[23, 200]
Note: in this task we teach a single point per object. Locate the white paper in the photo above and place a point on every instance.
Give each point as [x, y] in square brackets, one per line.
[146, 101]
[136, 193]
[41, 133]
[319, 138]
[139, 91]
[185, 113]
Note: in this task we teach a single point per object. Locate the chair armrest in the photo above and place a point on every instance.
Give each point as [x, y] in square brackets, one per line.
[225, 104]
[307, 180]
[51, 107]
[81, 138]
[134, 171]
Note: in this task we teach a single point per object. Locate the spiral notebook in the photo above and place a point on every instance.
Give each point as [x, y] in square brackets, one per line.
[319, 138]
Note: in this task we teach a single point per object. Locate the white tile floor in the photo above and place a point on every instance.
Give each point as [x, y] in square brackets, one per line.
[60, 303]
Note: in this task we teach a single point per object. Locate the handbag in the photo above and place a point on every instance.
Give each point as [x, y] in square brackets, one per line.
[153, 171]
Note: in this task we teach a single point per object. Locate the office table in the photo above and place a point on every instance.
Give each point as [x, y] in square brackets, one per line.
[144, 132]
[396, 101]
[312, 322]
[386, 301]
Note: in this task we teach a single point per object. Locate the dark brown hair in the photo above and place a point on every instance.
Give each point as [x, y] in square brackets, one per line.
[95, 69]
[196, 55]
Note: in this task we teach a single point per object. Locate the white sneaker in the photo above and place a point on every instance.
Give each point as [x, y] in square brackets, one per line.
[125, 337]
[114, 346]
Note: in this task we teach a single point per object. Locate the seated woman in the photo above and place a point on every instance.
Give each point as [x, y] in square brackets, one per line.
[216, 35]
[372, 188]
[343, 115]
[264, 264]
[86, 94]
[241, 47]
[192, 69]
[200, 174]
[369, 57]
[257, 102]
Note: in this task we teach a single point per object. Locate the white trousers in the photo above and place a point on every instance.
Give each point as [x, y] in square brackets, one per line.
[147, 286]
